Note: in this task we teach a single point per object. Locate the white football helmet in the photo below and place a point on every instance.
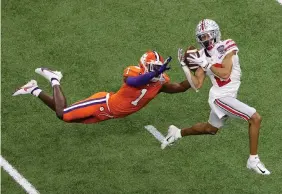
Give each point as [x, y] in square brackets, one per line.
[210, 28]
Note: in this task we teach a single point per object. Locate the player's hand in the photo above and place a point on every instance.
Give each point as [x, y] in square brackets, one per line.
[165, 66]
[201, 61]
[180, 57]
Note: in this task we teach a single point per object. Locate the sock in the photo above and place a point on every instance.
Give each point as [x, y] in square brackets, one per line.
[254, 157]
[178, 133]
[36, 91]
[54, 82]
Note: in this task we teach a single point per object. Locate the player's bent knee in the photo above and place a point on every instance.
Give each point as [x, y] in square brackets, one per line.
[60, 116]
[256, 118]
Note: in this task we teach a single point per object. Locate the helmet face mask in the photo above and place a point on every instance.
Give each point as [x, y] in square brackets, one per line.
[207, 33]
[154, 67]
[151, 61]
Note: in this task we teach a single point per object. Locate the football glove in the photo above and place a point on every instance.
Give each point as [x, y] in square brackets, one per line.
[180, 57]
[165, 66]
[201, 61]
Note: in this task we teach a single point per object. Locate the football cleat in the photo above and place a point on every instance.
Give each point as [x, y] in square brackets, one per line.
[258, 167]
[49, 74]
[172, 136]
[27, 88]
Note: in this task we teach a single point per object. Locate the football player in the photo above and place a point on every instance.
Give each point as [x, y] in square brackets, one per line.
[141, 84]
[220, 62]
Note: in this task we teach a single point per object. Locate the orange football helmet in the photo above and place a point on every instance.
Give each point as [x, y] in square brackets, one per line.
[150, 61]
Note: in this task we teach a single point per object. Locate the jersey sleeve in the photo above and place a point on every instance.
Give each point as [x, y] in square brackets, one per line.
[131, 71]
[230, 46]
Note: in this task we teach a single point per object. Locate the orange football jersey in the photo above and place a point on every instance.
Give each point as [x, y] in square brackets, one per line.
[130, 99]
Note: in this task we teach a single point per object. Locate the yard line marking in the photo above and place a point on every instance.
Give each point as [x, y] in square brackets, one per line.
[29, 188]
[155, 132]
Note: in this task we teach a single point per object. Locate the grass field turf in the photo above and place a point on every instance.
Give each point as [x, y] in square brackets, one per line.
[91, 42]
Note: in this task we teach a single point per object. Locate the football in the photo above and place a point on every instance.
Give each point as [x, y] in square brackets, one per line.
[191, 50]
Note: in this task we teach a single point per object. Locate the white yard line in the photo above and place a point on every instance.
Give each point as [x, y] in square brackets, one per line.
[155, 132]
[29, 188]
[279, 1]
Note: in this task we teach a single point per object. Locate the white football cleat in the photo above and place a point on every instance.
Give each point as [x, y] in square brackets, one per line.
[258, 167]
[172, 135]
[27, 88]
[49, 74]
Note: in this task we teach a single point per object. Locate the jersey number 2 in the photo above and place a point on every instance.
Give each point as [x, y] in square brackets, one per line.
[143, 92]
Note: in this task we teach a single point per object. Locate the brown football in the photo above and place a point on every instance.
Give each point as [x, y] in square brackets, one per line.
[191, 50]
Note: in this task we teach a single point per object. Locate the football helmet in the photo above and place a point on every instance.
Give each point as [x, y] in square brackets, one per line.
[151, 61]
[207, 33]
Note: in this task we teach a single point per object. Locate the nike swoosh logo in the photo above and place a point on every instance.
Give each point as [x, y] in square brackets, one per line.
[26, 88]
[220, 57]
[261, 170]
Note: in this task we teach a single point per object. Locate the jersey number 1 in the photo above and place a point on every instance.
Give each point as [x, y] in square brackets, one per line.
[143, 92]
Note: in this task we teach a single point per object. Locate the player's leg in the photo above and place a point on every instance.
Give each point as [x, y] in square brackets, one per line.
[91, 110]
[32, 88]
[254, 161]
[199, 129]
[48, 100]
[59, 100]
[254, 126]
[235, 108]
[211, 127]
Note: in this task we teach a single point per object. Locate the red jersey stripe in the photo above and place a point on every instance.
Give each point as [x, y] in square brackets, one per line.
[229, 41]
[230, 46]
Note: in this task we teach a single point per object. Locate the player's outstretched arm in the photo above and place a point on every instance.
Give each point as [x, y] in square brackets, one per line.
[197, 79]
[175, 87]
[137, 81]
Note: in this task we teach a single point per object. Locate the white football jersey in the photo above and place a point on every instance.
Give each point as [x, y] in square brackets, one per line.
[223, 87]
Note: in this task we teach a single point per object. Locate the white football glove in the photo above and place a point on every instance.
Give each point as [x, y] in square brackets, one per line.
[180, 57]
[201, 61]
[185, 69]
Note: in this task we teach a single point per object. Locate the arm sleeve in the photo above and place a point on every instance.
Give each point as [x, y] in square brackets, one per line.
[140, 80]
[189, 77]
[135, 78]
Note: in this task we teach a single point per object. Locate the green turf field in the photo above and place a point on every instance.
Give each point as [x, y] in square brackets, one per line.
[91, 42]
